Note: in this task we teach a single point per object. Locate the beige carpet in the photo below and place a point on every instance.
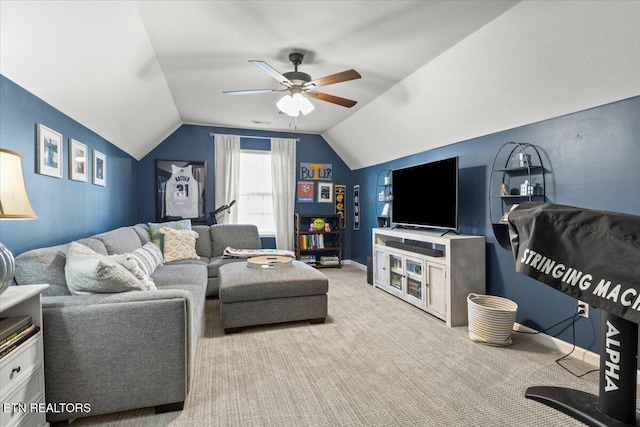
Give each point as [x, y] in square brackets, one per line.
[377, 361]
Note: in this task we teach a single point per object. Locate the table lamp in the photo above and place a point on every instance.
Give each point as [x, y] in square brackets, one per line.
[14, 204]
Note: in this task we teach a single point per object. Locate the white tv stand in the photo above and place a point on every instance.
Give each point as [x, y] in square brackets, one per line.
[432, 271]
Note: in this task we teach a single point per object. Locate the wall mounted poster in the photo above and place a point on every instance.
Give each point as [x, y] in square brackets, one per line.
[316, 171]
[306, 191]
[356, 207]
[340, 191]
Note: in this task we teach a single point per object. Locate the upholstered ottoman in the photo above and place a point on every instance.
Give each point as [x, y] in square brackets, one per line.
[251, 296]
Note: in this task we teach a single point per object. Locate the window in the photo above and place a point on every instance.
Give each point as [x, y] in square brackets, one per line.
[255, 204]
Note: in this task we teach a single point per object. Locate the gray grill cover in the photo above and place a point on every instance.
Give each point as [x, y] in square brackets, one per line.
[590, 255]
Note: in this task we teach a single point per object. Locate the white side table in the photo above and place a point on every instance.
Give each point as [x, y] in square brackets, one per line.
[22, 371]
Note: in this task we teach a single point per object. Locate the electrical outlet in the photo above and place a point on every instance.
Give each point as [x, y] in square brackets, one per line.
[583, 309]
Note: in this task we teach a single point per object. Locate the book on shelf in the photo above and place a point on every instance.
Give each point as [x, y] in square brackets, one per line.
[9, 346]
[312, 241]
[308, 259]
[10, 325]
[329, 260]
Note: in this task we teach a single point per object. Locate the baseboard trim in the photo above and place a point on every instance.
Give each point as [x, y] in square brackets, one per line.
[579, 353]
[355, 264]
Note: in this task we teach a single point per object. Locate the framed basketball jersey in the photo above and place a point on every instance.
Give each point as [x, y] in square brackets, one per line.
[182, 195]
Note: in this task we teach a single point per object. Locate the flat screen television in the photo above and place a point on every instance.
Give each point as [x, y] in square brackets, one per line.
[426, 195]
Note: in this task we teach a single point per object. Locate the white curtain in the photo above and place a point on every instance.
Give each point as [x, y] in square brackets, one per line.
[283, 173]
[227, 175]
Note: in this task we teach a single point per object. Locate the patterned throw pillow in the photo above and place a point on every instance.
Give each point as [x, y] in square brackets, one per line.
[158, 238]
[149, 257]
[179, 244]
[129, 262]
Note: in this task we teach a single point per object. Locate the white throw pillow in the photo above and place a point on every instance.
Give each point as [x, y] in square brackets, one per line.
[88, 272]
[179, 244]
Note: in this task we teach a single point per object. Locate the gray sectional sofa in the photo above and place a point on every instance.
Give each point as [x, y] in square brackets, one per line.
[126, 350]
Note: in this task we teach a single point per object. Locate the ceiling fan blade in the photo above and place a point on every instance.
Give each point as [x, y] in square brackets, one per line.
[333, 99]
[251, 91]
[272, 72]
[344, 76]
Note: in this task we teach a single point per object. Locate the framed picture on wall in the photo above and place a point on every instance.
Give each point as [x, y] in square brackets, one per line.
[78, 161]
[306, 191]
[181, 188]
[325, 192]
[99, 168]
[49, 152]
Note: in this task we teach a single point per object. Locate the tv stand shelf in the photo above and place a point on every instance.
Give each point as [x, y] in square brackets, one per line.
[434, 272]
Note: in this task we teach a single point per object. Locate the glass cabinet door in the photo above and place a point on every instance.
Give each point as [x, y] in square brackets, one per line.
[415, 279]
[396, 272]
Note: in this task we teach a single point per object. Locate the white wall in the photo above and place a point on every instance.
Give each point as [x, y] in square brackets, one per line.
[537, 61]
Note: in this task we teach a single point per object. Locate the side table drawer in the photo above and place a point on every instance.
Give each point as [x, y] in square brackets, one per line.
[27, 419]
[18, 403]
[18, 365]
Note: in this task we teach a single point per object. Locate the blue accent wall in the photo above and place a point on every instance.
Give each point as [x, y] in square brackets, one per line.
[594, 162]
[592, 156]
[66, 209]
[192, 142]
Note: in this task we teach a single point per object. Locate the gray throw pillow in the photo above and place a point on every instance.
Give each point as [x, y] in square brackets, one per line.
[88, 272]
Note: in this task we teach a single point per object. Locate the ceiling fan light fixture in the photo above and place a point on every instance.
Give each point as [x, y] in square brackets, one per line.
[287, 106]
[303, 104]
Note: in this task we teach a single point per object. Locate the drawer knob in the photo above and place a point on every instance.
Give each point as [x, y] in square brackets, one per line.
[14, 371]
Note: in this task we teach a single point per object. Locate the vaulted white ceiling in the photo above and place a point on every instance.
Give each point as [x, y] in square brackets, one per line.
[433, 72]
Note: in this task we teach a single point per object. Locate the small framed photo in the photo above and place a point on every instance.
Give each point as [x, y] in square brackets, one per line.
[49, 152]
[99, 168]
[78, 161]
[325, 192]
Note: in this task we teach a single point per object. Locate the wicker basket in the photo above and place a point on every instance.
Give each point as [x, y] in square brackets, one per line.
[491, 319]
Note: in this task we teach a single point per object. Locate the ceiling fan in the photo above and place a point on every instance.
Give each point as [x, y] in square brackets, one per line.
[297, 83]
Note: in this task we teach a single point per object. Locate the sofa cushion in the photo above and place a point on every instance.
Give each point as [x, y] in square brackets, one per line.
[203, 244]
[239, 236]
[169, 275]
[120, 241]
[217, 262]
[158, 238]
[88, 272]
[43, 265]
[149, 257]
[143, 232]
[94, 244]
[241, 283]
[179, 244]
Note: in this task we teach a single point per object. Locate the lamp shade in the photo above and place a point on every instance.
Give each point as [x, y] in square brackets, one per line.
[14, 200]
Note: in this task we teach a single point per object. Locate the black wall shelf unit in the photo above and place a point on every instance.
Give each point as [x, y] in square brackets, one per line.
[383, 196]
[517, 176]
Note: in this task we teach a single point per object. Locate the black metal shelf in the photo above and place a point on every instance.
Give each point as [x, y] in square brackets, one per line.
[505, 173]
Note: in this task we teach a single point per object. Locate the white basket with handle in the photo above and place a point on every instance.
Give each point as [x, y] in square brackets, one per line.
[491, 319]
